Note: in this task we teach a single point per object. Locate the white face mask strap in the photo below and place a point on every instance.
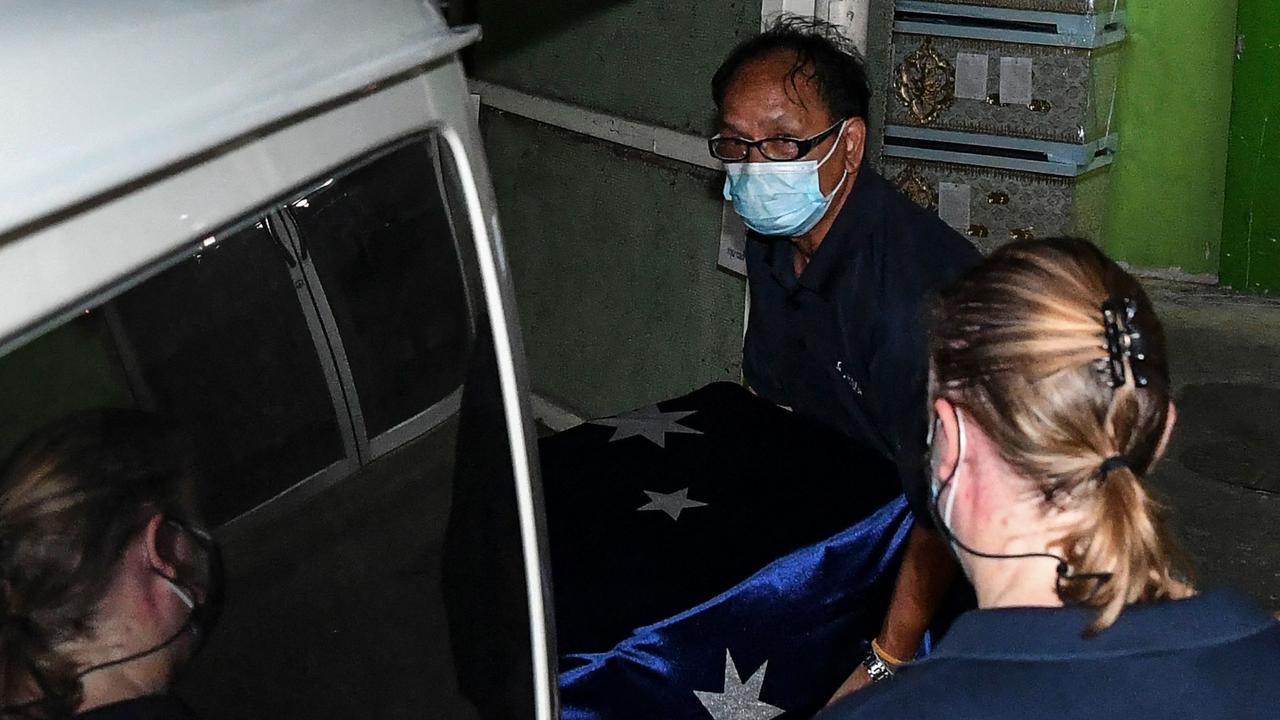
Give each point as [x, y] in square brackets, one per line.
[831, 152]
[834, 145]
[955, 474]
[839, 185]
[182, 594]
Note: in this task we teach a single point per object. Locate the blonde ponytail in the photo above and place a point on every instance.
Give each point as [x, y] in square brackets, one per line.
[1125, 537]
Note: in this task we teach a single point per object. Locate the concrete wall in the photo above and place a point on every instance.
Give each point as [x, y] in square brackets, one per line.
[645, 60]
[613, 251]
[1172, 110]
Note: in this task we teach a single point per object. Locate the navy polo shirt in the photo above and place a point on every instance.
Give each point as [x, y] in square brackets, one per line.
[844, 342]
[1212, 656]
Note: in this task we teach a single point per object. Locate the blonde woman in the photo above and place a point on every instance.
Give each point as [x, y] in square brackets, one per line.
[106, 581]
[1050, 388]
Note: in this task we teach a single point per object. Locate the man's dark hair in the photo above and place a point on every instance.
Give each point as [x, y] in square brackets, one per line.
[823, 55]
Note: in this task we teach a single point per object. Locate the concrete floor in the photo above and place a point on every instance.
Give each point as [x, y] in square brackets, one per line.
[1219, 479]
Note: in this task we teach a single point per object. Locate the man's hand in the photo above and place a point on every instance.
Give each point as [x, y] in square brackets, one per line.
[927, 571]
[858, 680]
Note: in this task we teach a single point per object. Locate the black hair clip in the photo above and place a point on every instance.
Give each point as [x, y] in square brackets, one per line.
[1124, 339]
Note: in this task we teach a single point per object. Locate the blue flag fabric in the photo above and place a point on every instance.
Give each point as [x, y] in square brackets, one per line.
[696, 540]
[776, 645]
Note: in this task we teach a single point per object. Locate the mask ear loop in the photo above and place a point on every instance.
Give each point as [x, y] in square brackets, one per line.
[838, 136]
[955, 471]
[845, 177]
[186, 596]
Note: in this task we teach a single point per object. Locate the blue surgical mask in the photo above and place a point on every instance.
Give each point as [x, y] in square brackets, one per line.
[780, 198]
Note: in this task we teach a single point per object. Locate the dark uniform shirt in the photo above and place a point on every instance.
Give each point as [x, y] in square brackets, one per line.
[844, 343]
[1211, 657]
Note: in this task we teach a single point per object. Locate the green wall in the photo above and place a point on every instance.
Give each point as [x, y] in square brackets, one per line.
[1172, 110]
[1251, 223]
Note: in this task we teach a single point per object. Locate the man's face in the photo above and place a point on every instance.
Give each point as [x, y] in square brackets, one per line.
[762, 102]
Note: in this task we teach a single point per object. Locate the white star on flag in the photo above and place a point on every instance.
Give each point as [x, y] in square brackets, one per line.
[649, 423]
[671, 503]
[739, 701]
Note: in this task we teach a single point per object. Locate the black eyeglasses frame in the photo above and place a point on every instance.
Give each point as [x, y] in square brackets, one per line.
[803, 145]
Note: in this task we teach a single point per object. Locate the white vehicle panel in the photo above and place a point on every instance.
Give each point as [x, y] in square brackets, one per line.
[131, 86]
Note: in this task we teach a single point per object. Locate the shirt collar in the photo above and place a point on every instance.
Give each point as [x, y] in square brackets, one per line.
[862, 212]
[1026, 633]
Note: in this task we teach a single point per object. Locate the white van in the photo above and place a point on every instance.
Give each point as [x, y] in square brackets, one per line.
[271, 221]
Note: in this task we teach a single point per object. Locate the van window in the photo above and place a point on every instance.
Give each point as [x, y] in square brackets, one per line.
[399, 303]
[221, 342]
[331, 359]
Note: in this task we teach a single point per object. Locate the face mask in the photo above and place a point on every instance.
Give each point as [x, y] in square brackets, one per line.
[780, 198]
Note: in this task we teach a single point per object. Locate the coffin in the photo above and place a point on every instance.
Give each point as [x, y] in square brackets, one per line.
[993, 205]
[956, 89]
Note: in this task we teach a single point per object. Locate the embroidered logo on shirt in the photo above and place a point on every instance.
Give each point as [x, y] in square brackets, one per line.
[852, 383]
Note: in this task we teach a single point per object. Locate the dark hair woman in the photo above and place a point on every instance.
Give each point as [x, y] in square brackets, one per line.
[1050, 386]
[106, 575]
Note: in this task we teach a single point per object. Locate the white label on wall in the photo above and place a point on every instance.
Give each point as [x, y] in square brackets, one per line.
[1015, 80]
[971, 76]
[953, 204]
[733, 241]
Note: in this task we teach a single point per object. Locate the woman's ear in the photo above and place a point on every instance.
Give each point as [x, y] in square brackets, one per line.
[946, 439]
[161, 540]
[855, 144]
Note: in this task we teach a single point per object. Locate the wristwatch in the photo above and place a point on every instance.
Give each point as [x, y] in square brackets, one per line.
[877, 669]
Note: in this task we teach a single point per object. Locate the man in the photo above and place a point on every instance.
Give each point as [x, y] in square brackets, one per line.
[840, 267]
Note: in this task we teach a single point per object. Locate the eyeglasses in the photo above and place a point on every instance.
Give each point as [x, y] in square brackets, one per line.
[777, 149]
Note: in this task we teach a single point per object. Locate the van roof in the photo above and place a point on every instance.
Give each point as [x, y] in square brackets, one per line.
[98, 95]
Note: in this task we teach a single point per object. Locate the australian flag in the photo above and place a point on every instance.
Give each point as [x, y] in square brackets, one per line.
[715, 556]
